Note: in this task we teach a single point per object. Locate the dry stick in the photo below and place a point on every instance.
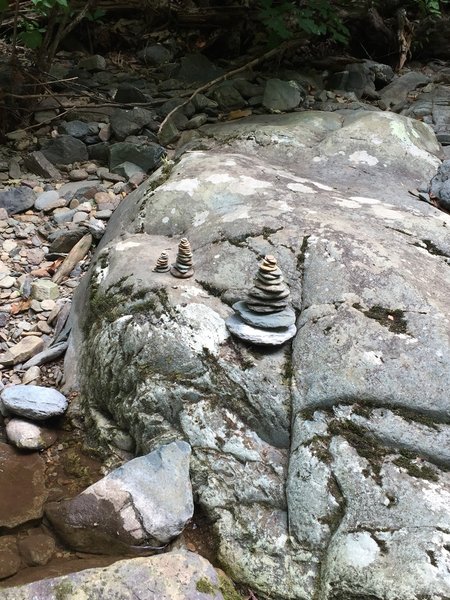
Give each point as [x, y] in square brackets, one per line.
[77, 253]
[284, 46]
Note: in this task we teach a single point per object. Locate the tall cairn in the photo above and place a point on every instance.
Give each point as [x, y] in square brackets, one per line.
[182, 267]
[265, 317]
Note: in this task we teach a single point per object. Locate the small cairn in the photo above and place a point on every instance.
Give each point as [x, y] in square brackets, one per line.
[265, 316]
[182, 267]
[162, 264]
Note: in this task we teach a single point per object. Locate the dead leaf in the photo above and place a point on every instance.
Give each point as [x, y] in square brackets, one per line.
[20, 306]
[238, 114]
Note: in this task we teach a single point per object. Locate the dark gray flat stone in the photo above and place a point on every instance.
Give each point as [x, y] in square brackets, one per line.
[254, 335]
[278, 320]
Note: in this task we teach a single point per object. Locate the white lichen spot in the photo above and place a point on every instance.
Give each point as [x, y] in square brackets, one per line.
[376, 140]
[126, 245]
[387, 213]
[165, 220]
[218, 178]
[363, 157]
[255, 183]
[229, 162]
[372, 358]
[347, 203]
[188, 185]
[300, 187]
[317, 159]
[200, 218]
[360, 550]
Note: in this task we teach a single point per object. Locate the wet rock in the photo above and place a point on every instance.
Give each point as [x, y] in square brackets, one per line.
[33, 402]
[282, 95]
[173, 576]
[16, 200]
[146, 501]
[37, 163]
[147, 157]
[9, 556]
[22, 478]
[28, 436]
[37, 549]
[65, 150]
[21, 352]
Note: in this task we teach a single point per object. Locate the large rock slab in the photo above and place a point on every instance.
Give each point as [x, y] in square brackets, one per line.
[147, 501]
[321, 463]
[172, 576]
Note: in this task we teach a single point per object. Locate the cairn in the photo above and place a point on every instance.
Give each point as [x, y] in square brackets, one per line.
[182, 267]
[265, 316]
[162, 264]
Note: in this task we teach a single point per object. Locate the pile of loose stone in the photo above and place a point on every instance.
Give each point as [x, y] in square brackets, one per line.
[265, 317]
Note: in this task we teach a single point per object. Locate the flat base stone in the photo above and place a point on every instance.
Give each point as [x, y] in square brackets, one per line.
[258, 336]
[176, 273]
[277, 320]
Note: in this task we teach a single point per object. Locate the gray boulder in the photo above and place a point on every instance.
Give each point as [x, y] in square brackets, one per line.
[147, 156]
[127, 122]
[282, 95]
[148, 501]
[29, 436]
[440, 185]
[321, 463]
[17, 200]
[65, 150]
[33, 401]
[172, 576]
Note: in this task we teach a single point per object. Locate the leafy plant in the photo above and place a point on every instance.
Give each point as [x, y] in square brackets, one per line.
[316, 17]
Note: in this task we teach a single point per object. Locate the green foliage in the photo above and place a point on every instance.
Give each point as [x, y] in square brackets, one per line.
[31, 35]
[3, 4]
[286, 18]
[429, 7]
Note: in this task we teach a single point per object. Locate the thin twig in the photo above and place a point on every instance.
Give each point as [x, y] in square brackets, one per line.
[283, 47]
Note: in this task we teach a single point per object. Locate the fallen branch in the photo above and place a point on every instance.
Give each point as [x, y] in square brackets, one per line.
[77, 253]
[256, 61]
